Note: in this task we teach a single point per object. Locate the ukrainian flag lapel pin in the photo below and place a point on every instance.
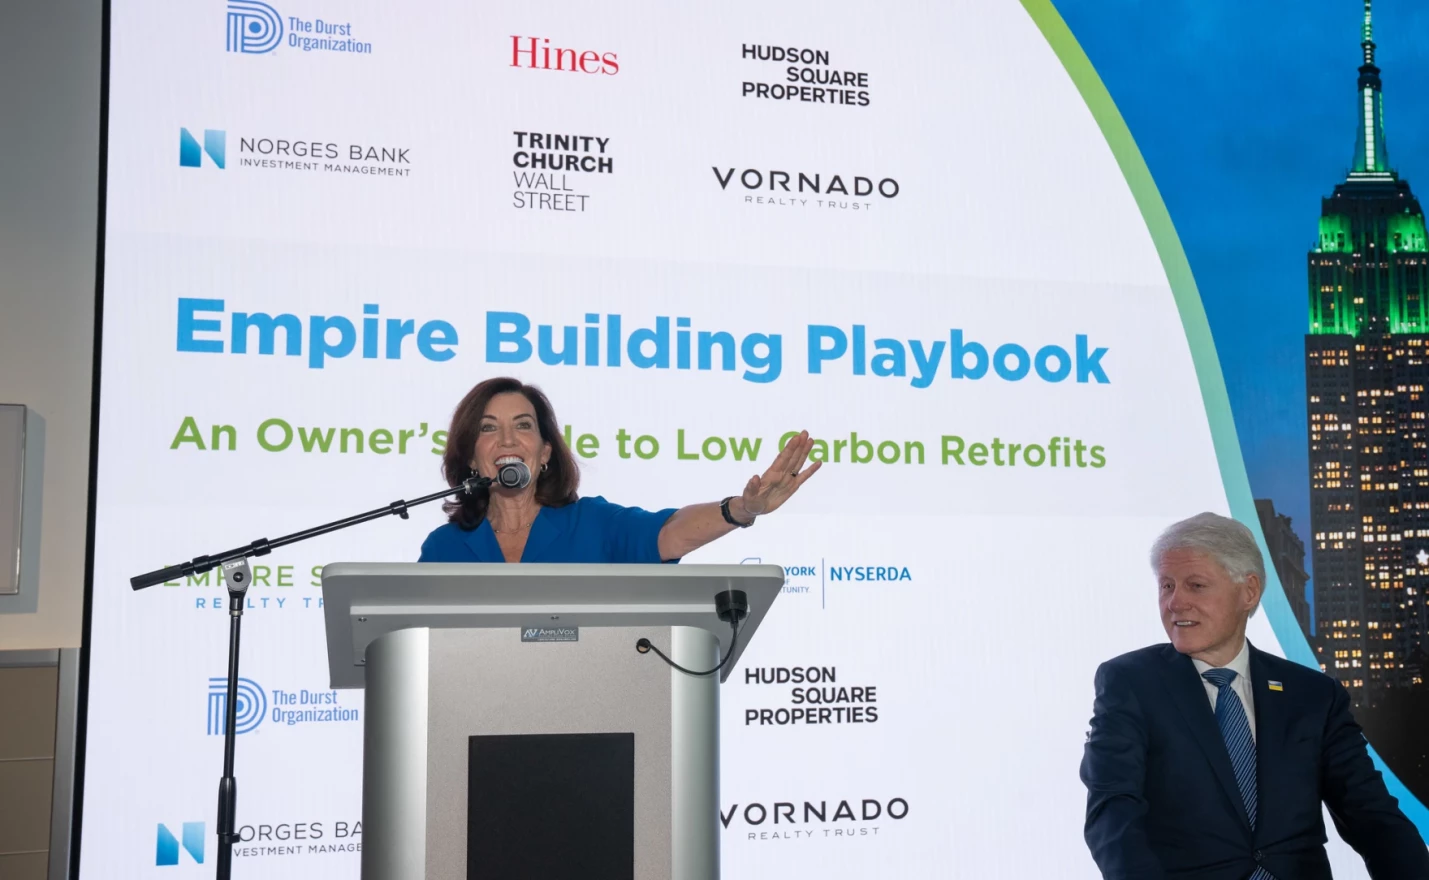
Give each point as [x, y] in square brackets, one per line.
[1276, 686]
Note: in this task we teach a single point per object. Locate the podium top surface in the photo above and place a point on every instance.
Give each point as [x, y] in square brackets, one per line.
[363, 601]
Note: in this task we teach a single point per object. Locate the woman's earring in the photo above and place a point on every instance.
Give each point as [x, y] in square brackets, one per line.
[543, 467]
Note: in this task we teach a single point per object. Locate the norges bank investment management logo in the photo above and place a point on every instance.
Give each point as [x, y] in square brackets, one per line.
[255, 28]
[166, 849]
[300, 154]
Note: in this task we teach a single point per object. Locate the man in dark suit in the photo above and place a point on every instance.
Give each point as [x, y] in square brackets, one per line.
[1208, 758]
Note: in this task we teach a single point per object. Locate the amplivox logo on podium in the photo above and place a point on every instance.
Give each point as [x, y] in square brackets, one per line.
[166, 849]
[551, 634]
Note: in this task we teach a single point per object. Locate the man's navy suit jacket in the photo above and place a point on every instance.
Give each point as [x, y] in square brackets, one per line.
[1162, 799]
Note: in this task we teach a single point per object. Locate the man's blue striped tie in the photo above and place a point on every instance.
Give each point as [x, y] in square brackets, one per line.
[1240, 745]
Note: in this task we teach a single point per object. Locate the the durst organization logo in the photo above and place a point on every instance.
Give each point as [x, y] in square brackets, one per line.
[288, 708]
[806, 190]
[558, 172]
[252, 706]
[166, 850]
[255, 28]
[302, 154]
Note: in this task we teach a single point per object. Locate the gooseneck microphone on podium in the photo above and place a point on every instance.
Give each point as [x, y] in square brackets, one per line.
[237, 575]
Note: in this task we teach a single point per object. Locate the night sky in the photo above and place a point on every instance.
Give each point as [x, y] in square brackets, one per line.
[1246, 114]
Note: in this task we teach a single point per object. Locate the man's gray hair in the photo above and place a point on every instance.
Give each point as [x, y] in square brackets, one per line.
[1231, 544]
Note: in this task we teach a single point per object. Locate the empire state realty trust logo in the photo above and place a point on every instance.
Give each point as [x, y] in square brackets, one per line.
[297, 154]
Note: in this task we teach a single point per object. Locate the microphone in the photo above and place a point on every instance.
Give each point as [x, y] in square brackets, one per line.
[514, 475]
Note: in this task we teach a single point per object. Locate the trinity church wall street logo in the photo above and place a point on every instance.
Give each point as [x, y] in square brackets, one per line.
[558, 172]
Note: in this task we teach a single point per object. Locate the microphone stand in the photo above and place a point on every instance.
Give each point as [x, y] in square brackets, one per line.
[237, 574]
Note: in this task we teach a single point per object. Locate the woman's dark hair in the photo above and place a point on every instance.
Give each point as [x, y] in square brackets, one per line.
[555, 486]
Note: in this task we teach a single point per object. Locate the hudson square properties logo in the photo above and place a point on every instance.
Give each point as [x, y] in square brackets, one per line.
[166, 850]
[294, 154]
[255, 28]
[289, 708]
[806, 75]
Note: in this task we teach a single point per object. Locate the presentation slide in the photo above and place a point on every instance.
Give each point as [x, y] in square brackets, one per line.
[926, 233]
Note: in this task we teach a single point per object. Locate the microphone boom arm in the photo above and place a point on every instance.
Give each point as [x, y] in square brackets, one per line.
[263, 546]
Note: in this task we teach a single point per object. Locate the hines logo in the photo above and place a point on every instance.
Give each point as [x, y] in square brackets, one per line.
[537, 53]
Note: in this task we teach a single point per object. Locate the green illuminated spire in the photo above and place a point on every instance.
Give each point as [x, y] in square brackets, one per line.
[1371, 152]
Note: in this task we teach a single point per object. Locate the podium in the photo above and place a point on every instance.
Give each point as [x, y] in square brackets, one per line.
[514, 730]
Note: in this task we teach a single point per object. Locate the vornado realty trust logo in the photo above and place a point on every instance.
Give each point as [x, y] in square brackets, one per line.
[289, 708]
[805, 189]
[811, 76]
[814, 819]
[558, 172]
[256, 28]
[262, 152]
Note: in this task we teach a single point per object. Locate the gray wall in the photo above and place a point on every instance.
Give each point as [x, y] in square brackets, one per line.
[49, 184]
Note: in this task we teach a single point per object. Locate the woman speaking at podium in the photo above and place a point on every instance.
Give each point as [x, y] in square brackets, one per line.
[504, 428]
